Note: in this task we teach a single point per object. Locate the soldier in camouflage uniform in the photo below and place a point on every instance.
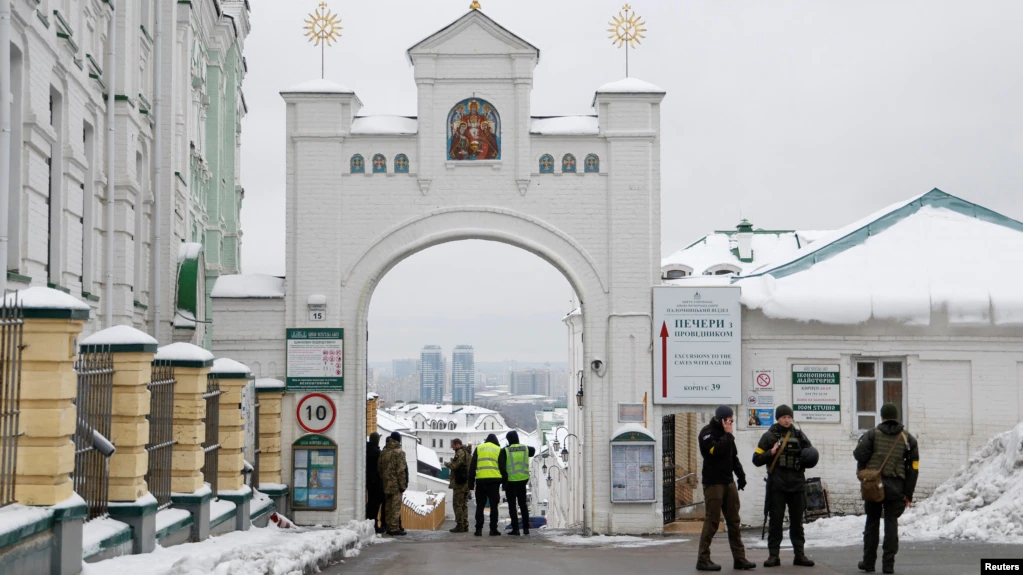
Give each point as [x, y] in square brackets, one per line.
[459, 484]
[394, 475]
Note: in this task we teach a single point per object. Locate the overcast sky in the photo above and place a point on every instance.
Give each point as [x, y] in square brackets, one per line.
[793, 114]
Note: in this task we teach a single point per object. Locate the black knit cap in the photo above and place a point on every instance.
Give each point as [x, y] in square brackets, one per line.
[723, 412]
[395, 436]
[781, 411]
[889, 411]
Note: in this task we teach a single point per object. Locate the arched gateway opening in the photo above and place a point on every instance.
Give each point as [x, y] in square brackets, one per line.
[468, 173]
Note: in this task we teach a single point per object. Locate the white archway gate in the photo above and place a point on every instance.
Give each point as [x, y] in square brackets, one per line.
[583, 193]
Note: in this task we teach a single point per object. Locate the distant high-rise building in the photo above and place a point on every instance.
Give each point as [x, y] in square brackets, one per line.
[463, 374]
[431, 374]
[530, 382]
[402, 368]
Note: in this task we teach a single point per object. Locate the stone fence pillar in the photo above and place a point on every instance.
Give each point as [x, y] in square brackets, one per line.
[234, 377]
[191, 366]
[271, 394]
[131, 503]
[49, 386]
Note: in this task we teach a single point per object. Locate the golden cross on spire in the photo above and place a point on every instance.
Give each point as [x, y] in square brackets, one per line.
[475, 5]
[626, 30]
[322, 27]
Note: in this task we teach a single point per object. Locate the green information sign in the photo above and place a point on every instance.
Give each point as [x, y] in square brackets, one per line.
[315, 359]
[816, 393]
[314, 473]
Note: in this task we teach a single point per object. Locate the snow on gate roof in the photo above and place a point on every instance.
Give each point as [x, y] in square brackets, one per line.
[932, 253]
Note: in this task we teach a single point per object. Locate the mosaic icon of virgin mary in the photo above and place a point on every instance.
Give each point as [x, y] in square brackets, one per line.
[474, 131]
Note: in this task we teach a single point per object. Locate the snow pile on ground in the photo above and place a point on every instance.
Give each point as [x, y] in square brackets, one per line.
[260, 550]
[982, 501]
[624, 541]
[16, 516]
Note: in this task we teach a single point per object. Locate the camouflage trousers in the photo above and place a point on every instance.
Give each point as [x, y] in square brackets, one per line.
[461, 503]
[392, 505]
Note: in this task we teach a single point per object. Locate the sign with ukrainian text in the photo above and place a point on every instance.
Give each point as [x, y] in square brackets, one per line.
[816, 394]
[697, 345]
[315, 359]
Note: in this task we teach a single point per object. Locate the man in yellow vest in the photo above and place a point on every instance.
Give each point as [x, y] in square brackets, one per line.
[486, 478]
[514, 464]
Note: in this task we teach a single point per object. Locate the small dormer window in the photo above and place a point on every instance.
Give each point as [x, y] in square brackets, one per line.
[675, 274]
[722, 270]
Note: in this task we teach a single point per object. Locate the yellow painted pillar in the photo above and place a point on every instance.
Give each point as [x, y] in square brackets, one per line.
[372, 401]
[133, 353]
[49, 385]
[233, 378]
[191, 366]
[271, 394]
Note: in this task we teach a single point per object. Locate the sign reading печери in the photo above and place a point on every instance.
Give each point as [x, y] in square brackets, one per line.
[697, 345]
[315, 359]
[816, 394]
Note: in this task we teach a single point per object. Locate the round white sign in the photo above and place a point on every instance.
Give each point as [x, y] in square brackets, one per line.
[316, 413]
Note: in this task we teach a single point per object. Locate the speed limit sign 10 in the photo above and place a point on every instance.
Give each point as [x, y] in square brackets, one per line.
[316, 413]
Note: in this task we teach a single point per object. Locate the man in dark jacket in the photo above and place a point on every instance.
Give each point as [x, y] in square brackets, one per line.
[781, 448]
[374, 487]
[514, 463]
[898, 474]
[720, 461]
[486, 478]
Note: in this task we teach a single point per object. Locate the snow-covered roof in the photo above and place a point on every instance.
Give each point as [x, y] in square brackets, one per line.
[427, 456]
[182, 351]
[371, 396]
[120, 335]
[269, 383]
[933, 253]
[39, 297]
[384, 125]
[721, 249]
[227, 365]
[189, 251]
[389, 422]
[422, 503]
[318, 86]
[464, 417]
[564, 126]
[248, 286]
[630, 86]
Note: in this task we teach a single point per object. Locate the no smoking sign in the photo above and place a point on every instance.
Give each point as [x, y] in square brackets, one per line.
[316, 413]
[763, 380]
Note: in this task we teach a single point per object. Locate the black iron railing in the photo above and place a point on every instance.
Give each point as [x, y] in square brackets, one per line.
[211, 444]
[11, 325]
[161, 432]
[94, 403]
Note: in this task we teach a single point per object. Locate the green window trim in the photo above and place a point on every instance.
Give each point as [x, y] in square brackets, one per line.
[140, 305]
[52, 285]
[42, 17]
[146, 33]
[145, 101]
[78, 62]
[102, 84]
[124, 98]
[182, 178]
[90, 297]
[63, 22]
[14, 276]
[94, 64]
[67, 37]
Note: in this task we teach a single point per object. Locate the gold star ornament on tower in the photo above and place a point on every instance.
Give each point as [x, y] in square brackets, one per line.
[627, 29]
[475, 5]
[323, 27]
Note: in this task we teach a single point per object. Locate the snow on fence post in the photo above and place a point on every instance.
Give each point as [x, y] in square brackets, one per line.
[129, 494]
[233, 377]
[46, 454]
[191, 365]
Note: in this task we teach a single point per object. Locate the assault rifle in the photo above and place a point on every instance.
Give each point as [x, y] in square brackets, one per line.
[767, 483]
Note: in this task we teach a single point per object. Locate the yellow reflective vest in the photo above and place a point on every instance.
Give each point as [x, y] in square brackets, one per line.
[486, 461]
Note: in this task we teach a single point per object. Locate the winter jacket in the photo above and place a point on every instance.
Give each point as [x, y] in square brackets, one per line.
[788, 472]
[720, 456]
[459, 463]
[475, 457]
[393, 469]
[903, 468]
[373, 482]
[502, 460]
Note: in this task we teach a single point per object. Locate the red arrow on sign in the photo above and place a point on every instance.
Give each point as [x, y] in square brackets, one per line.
[664, 359]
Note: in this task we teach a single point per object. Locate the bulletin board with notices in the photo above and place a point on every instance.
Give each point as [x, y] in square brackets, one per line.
[314, 473]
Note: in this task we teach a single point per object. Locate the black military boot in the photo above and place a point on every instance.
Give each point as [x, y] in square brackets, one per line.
[494, 533]
[772, 561]
[525, 529]
[744, 564]
[802, 560]
[862, 565]
[478, 532]
[708, 566]
[888, 568]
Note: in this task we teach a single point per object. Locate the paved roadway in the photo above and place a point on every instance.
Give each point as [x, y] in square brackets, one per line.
[443, 553]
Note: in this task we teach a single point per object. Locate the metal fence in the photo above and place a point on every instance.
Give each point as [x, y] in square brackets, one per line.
[161, 432]
[11, 325]
[254, 478]
[92, 448]
[211, 444]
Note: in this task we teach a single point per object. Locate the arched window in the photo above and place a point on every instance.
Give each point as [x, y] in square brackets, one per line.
[546, 164]
[451, 426]
[722, 270]
[358, 164]
[592, 164]
[474, 131]
[676, 271]
[568, 164]
[401, 164]
[675, 274]
[379, 164]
